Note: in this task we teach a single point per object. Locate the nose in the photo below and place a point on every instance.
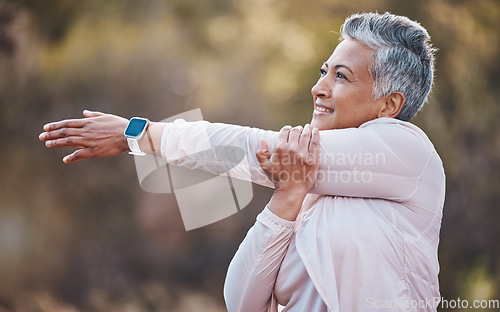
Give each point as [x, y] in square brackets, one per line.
[320, 89]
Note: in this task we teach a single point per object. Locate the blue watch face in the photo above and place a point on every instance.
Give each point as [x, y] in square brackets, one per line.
[135, 127]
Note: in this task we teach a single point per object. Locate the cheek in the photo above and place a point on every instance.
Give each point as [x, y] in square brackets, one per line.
[358, 100]
[355, 108]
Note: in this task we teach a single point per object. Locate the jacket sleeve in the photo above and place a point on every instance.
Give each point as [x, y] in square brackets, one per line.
[380, 160]
[252, 273]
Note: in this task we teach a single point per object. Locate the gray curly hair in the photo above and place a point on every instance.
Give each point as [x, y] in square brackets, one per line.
[403, 60]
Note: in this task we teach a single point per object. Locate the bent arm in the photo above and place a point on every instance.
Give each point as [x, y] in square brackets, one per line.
[252, 273]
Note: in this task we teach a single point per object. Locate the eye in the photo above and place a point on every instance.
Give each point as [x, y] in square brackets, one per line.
[340, 76]
[322, 72]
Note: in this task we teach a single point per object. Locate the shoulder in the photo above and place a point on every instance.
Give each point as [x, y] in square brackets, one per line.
[404, 140]
[392, 124]
[397, 131]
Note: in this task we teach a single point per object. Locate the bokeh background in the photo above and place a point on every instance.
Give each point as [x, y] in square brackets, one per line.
[85, 237]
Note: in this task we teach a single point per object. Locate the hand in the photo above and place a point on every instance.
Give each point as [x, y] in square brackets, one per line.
[293, 167]
[98, 135]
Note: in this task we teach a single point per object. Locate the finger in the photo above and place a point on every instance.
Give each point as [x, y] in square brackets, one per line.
[294, 135]
[60, 133]
[282, 137]
[314, 147]
[263, 154]
[305, 137]
[80, 154]
[68, 123]
[87, 113]
[283, 134]
[72, 141]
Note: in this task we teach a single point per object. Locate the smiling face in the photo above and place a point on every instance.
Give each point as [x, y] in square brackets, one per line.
[343, 95]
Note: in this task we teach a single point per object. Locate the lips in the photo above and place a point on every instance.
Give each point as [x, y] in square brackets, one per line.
[322, 109]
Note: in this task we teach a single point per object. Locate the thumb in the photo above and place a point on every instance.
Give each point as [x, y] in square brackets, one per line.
[263, 154]
[89, 114]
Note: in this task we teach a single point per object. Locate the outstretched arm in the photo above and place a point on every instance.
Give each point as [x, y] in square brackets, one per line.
[384, 158]
[381, 159]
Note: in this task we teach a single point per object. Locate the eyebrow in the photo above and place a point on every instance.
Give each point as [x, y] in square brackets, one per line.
[338, 66]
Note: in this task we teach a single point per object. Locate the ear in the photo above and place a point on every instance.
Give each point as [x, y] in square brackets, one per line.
[393, 103]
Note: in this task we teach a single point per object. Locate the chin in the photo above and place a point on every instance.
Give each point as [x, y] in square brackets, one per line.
[323, 124]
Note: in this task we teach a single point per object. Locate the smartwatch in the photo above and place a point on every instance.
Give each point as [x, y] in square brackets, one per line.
[135, 130]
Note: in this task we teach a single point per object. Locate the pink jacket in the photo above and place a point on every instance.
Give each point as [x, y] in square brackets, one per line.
[367, 236]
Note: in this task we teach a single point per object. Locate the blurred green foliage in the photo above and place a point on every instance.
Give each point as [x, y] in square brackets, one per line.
[84, 237]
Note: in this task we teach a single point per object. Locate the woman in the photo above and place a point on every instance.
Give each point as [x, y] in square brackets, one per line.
[353, 223]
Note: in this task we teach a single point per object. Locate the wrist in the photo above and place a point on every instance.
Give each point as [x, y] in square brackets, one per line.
[135, 131]
[286, 204]
[124, 145]
[289, 195]
[151, 142]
